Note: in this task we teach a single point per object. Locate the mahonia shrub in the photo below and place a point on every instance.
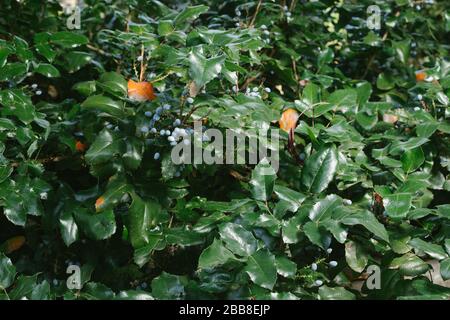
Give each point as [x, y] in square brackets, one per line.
[93, 97]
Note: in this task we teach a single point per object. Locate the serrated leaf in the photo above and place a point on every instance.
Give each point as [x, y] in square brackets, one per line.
[215, 255]
[203, 70]
[237, 239]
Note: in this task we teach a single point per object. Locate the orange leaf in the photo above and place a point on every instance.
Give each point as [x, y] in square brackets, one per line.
[99, 202]
[420, 76]
[140, 91]
[14, 244]
[288, 120]
[80, 146]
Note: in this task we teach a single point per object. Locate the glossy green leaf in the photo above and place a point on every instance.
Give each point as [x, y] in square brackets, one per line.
[68, 39]
[105, 146]
[433, 250]
[285, 267]
[203, 70]
[104, 104]
[412, 159]
[142, 216]
[75, 60]
[13, 71]
[96, 226]
[445, 269]
[397, 205]
[369, 221]
[189, 13]
[7, 271]
[323, 209]
[338, 293]
[113, 83]
[237, 239]
[356, 256]
[261, 269]
[47, 70]
[168, 287]
[215, 255]
[263, 179]
[316, 235]
[319, 169]
[68, 227]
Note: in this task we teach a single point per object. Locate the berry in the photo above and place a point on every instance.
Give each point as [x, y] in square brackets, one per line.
[171, 139]
[140, 58]
[167, 107]
[333, 264]
[329, 250]
[190, 100]
[43, 195]
[167, 132]
[314, 266]
[148, 114]
[38, 93]
[153, 130]
[267, 90]
[318, 283]
[177, 122]
[347, 202]
[156, 117]
[156, 156]
[144, 129]
[34, 86]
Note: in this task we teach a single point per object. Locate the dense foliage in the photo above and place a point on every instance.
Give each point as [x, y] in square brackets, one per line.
[86, 176]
